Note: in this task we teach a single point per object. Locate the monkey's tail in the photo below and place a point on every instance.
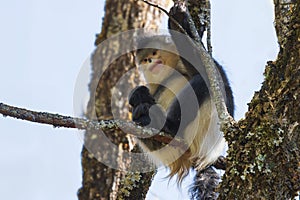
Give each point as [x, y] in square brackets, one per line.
[205, 183]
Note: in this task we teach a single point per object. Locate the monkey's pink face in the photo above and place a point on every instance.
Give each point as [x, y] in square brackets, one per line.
[157, 65]
[153, 63]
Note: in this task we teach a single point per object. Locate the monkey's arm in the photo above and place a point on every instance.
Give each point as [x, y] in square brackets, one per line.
[180, 14]
[185, 43]
[189, 51]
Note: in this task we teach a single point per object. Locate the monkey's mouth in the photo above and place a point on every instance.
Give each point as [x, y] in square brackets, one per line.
[156, 66]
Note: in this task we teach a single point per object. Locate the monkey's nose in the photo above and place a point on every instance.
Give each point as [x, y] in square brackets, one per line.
[149, 60]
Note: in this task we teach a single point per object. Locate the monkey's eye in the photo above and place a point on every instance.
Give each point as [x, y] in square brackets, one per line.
[154, 53]
[145, 60]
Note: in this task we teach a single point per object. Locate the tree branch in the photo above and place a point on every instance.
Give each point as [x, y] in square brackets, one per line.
[84, 124]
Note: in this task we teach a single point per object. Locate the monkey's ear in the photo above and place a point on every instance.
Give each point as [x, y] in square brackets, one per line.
[140, 95]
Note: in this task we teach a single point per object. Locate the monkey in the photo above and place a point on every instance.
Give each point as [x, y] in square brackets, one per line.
[177, 101]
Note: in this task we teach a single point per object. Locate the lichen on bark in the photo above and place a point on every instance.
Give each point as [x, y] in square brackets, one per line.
[263, 160]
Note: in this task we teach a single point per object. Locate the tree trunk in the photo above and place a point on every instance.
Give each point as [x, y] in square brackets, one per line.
[99, 180]
[264, 156]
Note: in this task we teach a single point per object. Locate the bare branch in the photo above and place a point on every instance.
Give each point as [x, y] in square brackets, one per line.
[155, 5]
[84, 124]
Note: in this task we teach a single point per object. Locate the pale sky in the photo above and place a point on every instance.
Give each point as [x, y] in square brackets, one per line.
[43, 46]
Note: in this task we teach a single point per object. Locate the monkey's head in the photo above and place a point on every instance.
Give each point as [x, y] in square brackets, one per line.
[157, 57]
[157, 64]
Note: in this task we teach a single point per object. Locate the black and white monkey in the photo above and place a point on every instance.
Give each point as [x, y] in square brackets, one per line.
[177, 100]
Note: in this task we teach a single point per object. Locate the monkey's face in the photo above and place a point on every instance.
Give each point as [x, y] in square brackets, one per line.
[157, 65]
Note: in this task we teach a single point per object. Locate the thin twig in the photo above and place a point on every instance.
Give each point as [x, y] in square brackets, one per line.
[167, 13]
[208, 22]
[57, 120]
[156, 6]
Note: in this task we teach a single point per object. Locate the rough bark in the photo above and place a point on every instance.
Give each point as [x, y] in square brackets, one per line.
[263, 160]
[100, 181]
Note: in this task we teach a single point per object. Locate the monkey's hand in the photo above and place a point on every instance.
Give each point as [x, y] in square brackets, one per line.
[145, 111]
[141, 101]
